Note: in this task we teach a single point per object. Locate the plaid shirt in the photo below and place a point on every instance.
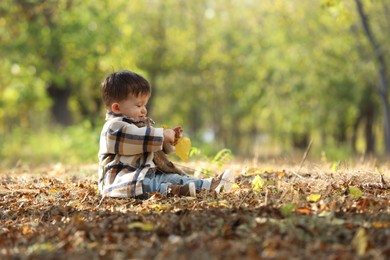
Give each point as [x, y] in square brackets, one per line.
[126, 155]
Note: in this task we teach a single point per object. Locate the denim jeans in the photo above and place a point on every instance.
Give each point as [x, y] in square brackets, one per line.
[160, 182]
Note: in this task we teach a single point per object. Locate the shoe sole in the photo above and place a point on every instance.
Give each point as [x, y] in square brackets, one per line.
[191, 187]
[226, 183]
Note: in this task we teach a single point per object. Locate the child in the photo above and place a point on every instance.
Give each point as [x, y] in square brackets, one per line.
[128, 143]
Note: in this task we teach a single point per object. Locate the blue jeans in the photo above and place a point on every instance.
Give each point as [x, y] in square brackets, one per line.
[160, 182]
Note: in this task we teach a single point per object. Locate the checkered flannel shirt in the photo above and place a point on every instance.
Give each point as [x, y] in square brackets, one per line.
[126, 155]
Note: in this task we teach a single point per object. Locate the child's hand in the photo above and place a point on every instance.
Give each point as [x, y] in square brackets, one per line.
[178, 133]
[169, 136]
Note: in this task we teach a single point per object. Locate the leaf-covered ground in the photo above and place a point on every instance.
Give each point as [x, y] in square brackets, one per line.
[324, 211]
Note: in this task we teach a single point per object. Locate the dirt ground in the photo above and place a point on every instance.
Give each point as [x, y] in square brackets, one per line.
[332, 211]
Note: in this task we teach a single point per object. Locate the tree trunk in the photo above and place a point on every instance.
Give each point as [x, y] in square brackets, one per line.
[60, 109]
[383, 83]
[355, 132]
[369, 131]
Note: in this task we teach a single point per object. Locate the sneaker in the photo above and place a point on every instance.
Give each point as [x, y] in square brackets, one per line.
[183, 190]
[223, 182]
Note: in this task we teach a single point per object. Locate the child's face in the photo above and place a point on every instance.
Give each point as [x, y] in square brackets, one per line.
[134, 107]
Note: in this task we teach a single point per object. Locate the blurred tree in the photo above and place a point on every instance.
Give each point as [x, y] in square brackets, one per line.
[238, 71]
[64, 43]
[382, 72]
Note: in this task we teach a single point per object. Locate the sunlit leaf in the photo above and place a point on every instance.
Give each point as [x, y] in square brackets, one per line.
[140, 225]
[360, 241]
[313, 197]
[355, 192]
[183, 148]
[235, 187]
[258, 183]
[158, 206]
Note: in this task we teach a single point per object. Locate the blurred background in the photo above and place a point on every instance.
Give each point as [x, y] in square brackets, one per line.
[261, 78]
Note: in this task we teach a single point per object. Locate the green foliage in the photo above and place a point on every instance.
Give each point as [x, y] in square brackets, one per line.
[75, 144]
[222, 157]
[216, 162]
[252, 74]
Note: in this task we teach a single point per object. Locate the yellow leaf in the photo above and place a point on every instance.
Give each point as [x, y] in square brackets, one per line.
[281, 174]
[140, 225]
[257, 183]
[235, 187]
[158, 207]
[313, 197]
[380, 224]
[183, 148]
[218, 203]
[53, 191]
[360, 241]
[74, 203]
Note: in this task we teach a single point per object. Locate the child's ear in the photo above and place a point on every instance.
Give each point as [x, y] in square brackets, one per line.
[115, 107]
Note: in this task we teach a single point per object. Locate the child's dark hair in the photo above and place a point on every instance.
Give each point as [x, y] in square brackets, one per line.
[118, 85]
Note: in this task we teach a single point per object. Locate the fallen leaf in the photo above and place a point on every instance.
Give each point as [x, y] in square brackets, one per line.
[140, 225]
[380, 224]
[235, 187]
[287, 209]
[73, 203]
[360, 241]
[281, 174]
[158, 206]
[218, 203]
[258, 183]
[355, 192]
[306, 211]
[313, 197]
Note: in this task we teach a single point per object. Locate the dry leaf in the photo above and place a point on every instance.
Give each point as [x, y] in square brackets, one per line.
[306, 211]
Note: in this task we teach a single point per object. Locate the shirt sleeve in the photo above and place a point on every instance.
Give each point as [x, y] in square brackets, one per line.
[128, 139]
[168, 148]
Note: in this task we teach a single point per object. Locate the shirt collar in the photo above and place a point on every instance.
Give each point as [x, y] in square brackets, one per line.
[112, 115]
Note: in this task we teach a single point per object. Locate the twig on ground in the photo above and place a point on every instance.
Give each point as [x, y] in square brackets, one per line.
[101, 201]
[242, 201]
[383, 185]
[305, 155]
[303, 160]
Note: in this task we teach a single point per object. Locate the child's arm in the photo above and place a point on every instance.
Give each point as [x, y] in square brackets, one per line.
[169, 147]
[128, 139]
